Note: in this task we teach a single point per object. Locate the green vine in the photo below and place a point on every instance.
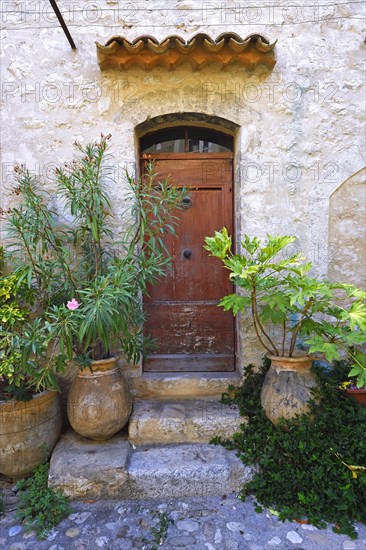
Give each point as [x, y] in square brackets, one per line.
[305, 468]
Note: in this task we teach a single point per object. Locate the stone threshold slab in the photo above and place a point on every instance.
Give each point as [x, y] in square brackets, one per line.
[181, 385]
[184, 421]
[84, 469]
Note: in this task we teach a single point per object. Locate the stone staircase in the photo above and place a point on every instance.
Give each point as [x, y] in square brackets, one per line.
[165, 454]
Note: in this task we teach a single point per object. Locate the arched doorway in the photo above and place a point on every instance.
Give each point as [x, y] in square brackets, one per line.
[193, 334]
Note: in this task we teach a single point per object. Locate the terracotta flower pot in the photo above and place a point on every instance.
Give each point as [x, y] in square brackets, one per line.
[358, 395]
[99, 402]
[29, 430]
[287, 387]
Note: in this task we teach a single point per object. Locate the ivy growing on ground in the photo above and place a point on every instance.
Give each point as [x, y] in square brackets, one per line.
[310, 471]
[40, 507]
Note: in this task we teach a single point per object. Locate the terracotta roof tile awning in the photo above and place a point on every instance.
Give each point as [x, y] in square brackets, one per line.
[147, 52]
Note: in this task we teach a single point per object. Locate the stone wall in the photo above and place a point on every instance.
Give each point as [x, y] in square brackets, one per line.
[301, 125]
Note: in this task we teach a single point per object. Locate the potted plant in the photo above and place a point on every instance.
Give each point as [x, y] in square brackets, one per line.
[287, 304]
[355, 386]
[30, 413]
[89, 276]
[358, 394]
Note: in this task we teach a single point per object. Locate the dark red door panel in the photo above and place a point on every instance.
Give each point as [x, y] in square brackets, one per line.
[192, 333]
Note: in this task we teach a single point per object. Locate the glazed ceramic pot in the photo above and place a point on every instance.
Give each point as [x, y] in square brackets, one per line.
[287, 387]
[99, 402]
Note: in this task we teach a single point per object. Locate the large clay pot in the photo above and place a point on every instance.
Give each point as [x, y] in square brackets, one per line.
[287, 387]
[29, 431]
[99, 402]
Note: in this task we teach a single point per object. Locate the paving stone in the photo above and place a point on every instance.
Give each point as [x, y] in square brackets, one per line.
[204, 513]
[87, 469]
[34, 545]
[187, 525]
[112, 525]
[138, 544]
[218, 536]
[275, 541]
[122, 532]
[13, 531]
[159, 422]
[319, 537]
[104, 528]
[29, 535]
[294, 537]
[209, 529]
[52, 534]
[180, 541]
[235, 526]
[102, 542]
[79, 518]
[308, 527]
[72, 532]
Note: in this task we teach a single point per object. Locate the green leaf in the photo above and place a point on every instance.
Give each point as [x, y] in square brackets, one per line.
[275, 243]
[220, 244]
[352, 291]
[357, 315]
[276, 316]
[251, 245]
[235, 302]
[318, 345]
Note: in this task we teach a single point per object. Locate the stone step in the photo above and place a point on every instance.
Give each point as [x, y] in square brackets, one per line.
[84, 469]
[184, 470]
[184, 421]
[180, 385]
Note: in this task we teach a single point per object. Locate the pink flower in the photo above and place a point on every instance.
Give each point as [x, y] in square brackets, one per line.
[74, 304]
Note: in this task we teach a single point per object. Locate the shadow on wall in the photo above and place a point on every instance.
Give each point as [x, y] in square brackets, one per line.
[347, 231]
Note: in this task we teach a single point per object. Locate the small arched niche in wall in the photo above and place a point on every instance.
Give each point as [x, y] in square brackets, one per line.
[347, 232]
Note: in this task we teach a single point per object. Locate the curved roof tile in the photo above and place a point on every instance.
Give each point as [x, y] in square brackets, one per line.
[200, 50]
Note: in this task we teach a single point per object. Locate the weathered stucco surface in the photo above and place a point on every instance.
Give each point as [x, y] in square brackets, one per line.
[347, 231]
[301, 125]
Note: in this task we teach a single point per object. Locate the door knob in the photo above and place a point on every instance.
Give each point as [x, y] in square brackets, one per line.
[187, 203]
[187, 253]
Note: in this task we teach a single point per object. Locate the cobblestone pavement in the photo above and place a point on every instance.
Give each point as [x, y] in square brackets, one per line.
[205, 523]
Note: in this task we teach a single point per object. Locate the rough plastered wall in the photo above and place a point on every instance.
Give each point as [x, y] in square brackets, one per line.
[347, 231]
[301, 125]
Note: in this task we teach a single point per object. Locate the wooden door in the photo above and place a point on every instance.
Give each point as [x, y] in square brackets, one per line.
[192, 332]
